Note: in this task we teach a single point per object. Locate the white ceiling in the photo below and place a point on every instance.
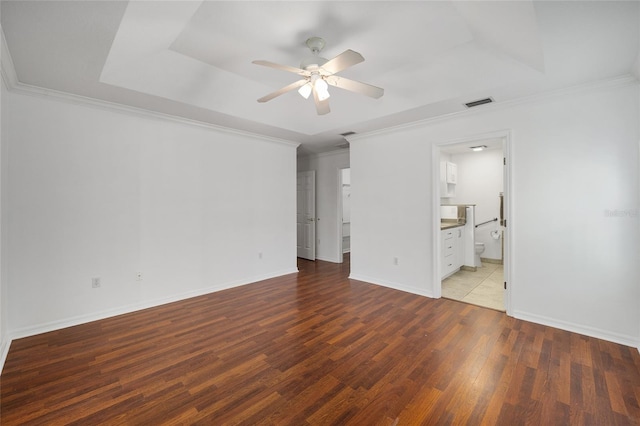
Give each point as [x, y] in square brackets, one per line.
[193, 59]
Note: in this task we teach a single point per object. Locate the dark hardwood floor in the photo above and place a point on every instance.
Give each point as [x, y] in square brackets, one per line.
[316, 348]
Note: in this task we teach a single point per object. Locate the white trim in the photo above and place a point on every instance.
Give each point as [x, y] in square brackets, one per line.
[598, 333]
[508, 260]
[524, 316]
[5, 345]
[339, 218]
[36, 91]
[435, 243]
[620, 81]
[496, 134]
[10, 77]
[326, 259]
[83, 319]
[7, 68]
[324, 154]
[396, 286]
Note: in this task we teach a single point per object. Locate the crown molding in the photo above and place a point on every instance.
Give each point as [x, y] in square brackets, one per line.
[7, 70]
[332, 153]
[636, 67]
[620, 81]
[8, 73]
[13, 84]
[30, 90]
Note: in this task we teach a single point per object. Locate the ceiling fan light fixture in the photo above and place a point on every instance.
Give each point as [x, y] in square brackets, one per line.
[322, 89]
[323, 96]
[305, 91]
[318, 73]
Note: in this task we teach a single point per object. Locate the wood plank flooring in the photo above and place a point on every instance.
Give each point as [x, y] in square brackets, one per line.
[315, 348]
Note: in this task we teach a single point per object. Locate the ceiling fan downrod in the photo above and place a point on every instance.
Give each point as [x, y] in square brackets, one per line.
[315, 44]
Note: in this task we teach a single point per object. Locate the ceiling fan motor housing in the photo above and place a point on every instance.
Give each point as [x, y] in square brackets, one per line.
[312, 63]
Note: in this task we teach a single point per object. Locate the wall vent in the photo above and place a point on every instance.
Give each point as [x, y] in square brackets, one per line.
[478, 102]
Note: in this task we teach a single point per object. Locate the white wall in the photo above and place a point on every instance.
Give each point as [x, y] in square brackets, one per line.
[391, 217]
[480, 183]
[99, 193]
[574, 158]
[327, 167]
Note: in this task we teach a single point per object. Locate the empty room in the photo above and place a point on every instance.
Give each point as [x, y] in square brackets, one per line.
[320, 212]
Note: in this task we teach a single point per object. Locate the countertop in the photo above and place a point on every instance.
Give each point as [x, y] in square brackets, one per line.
[448, 225]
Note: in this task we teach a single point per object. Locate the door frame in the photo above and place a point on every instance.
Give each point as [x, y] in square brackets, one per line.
[339, 215]
[507, 260]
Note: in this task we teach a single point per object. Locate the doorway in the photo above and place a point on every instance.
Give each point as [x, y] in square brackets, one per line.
[344, 213]
[306, 215]
[471, 214]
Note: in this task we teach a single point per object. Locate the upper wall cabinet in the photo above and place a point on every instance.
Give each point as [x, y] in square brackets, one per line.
[448, 179]
[452, 173]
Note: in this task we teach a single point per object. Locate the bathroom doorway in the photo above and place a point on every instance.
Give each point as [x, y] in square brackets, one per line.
[472, 249]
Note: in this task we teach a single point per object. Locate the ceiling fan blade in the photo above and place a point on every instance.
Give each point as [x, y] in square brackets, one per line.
[346, 59]
[355, 86]
[294, 70]
[284, 90]
[322, 107]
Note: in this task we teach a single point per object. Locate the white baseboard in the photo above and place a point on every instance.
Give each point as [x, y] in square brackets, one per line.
[538, 319]
[395, 286]
[95, 316]
[580, 329]
[4, 351]
[326, 259]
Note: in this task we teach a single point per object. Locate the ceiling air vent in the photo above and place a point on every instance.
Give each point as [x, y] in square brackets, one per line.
[347, 134]
[478, 102]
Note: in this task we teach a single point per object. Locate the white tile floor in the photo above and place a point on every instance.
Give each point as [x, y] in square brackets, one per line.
[483, 287]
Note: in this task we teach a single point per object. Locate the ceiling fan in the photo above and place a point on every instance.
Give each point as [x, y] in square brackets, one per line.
[319, 73]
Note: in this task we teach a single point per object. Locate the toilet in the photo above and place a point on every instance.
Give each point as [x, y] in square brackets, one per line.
[479, 248]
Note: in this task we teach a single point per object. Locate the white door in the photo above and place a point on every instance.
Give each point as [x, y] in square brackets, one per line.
[306, 215]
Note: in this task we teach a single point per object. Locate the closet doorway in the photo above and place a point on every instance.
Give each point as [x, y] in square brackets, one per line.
[344, 213]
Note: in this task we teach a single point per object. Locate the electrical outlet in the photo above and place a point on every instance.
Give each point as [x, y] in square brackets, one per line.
[138, 276]
[260, 255]
[95, 282]
[395, 261]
